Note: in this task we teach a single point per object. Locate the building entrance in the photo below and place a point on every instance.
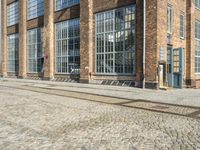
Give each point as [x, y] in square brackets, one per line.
[175, 67]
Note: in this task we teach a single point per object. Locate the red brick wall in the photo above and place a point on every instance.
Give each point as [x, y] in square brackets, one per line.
[35, 23]
[10, 1]
[13, 29]
[156, 35]
[68, 13]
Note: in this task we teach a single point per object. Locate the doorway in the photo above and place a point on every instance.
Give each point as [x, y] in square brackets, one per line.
[175, 67]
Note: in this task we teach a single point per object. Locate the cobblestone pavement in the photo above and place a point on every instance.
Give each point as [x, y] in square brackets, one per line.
[35, 120]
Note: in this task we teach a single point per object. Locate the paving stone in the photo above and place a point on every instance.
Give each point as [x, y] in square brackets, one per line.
[34, 120]
[163, 107]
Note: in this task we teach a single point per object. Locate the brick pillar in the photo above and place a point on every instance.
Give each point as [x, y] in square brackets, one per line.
[162, 35]
[190, 44]
[86, 43]
[49, 40]
[22, 38]
[151, 78]
[4, 38]
[139, 43]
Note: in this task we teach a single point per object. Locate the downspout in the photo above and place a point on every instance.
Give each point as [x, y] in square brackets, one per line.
[144, 42]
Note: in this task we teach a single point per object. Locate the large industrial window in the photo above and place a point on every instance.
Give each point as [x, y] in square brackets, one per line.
[115, 41]
[169, 19]
[197, 3]
[182, 26]
[13, 13]
[197, 46]
[35, 8]
[13, 53]
[60, 4]
[35, 50]
[68, 47]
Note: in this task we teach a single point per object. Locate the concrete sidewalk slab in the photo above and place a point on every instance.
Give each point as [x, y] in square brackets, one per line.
[190, 97]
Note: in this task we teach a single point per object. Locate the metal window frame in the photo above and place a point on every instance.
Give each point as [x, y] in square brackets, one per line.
[62, 6]
[197, 39]
[36, 43]
[182, 25]
[114, 44]
[35, 13]
[13, 13]
[13, 48]
[76, 23]
[170, 26]
[197, 4]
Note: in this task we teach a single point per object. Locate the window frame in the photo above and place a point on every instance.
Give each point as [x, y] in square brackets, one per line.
[197, 4]
[13, 53]
[123, 52]
[13, 14]
[197, 46]
[182, 26]
[36, 43]
[76, 51]
[171, 19]
[38, 12]
[75, 2]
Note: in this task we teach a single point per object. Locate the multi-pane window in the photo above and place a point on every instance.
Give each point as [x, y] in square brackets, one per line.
[68, 47]
[35, 8]
[115, 41]
[13, 13]
[182, 26]
[197, 46]
[197, 3]
[35, 50]
[169, 19]
[176, 60]
[13, 53]
[60, 4]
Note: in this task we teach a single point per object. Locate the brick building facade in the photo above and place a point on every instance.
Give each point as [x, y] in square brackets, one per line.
[101, 41]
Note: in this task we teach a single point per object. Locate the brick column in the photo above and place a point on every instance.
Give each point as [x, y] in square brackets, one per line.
[151, 78]
[190, 45]
[139, 41]
[4, 38]
[22, 38]
[86, 43]
[49, 39]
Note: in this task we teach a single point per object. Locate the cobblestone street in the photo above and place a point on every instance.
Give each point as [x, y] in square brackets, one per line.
[31, 119]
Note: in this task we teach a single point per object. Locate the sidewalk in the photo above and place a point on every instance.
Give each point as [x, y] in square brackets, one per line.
[190, 97]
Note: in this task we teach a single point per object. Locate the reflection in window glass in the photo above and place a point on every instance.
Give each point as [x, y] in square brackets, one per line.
[35, 8]
[115, 41]
[13, 53]
[35, 50]
[60, 4]
[13, 13]
[197, 46]
[68, 47]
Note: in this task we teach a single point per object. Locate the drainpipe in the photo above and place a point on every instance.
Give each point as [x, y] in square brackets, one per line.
[144, 42]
